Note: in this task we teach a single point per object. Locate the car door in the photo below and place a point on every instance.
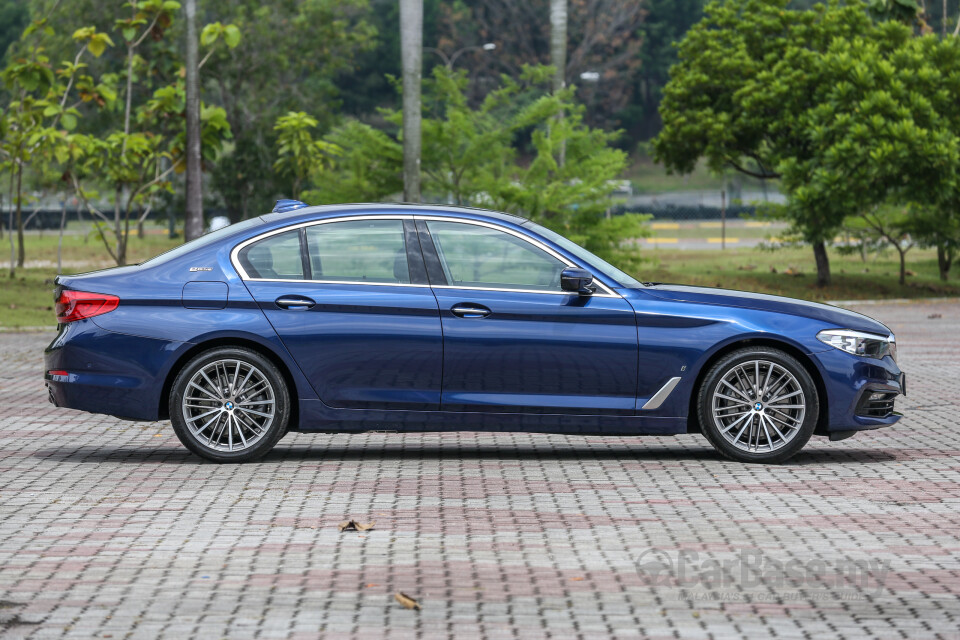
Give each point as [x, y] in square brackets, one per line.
[513, 340]
[350, 300]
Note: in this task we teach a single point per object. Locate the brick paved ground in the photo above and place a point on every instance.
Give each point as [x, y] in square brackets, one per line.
[110, 529]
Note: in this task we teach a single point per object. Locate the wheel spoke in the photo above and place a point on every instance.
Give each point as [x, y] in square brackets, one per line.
[255, 412]
[197, 417]
[733, 388]
[733, 400]
[736, 422]
[785, 396]
[778, 432]
[199, 388]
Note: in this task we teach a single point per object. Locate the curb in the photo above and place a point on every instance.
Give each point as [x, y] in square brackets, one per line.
[26, 329]
[843, 303]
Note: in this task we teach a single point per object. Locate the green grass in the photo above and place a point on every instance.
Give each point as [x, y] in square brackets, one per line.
[27, 300]
[80, 245]
[696, 230]
[791, 272]
[649, 177]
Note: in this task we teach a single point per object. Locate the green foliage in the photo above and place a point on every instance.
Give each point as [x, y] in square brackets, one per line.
[287, 59]
[367, 167]
[213, 31]
[299, 154]
[469, 158]
[849, 113]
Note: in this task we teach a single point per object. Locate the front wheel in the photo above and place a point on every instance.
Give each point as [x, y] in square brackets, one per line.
[758, 404]
[229, 405]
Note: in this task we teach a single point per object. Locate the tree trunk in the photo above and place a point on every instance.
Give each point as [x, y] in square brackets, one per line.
[20, 251]
[944, 262]
[558, 43]
[823, 263]
[558, 56]
[193, 226]
[411, 55]
[63, 223]
[903, 266]
[13, 270]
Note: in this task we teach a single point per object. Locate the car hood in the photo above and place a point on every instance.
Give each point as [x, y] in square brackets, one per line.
[762, 302]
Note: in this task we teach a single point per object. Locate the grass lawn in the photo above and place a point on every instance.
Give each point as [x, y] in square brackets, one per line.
[27, 300]
[650, 177]
[791, 272]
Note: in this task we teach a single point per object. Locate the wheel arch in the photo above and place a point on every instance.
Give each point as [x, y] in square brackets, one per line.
[693, 422]
[232, 341]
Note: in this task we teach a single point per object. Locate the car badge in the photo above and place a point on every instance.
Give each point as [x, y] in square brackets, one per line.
[201, 269]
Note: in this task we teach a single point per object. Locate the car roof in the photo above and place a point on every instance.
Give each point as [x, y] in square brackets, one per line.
[306, 213]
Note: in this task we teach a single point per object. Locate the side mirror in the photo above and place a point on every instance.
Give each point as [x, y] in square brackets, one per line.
[578, 280]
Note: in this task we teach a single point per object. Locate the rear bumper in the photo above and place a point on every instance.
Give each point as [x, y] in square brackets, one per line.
[91, 369]
[850, 381]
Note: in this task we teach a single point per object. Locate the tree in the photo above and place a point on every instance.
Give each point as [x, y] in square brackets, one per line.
[138, 159]
[411, 54]
[193, 226]
[266, 76]
[299, 154]
[469, 157]
[368, 167]
[826, 100]
[888, 225]
[40, 105]
[601, 37]
[558, 43]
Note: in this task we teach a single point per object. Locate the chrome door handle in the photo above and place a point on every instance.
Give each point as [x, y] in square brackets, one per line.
[463, 311]
[294, 303]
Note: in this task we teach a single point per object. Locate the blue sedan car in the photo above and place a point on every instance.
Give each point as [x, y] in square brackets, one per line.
[413, 318]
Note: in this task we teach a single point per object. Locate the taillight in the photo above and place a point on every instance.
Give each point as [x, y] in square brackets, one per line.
[77, 305]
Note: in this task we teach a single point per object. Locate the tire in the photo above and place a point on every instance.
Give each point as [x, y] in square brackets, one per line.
[747, 428]
[229, 404]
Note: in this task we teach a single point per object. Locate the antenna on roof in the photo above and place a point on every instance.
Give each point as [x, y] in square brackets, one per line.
[283, 205]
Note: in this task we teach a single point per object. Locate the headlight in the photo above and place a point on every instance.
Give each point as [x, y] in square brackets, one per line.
[868, 345]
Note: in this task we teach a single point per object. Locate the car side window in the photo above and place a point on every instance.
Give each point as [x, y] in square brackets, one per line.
[358, 251]
[478, 256]
[276, 257]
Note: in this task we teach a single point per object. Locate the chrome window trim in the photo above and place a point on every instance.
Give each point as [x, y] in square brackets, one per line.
[608, 292]
[368, 283]
[310, 223]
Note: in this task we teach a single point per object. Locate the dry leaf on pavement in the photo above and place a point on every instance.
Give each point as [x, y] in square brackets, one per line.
[406, 601]
[353, 525]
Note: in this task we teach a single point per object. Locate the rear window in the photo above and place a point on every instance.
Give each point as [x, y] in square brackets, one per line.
[276, 257]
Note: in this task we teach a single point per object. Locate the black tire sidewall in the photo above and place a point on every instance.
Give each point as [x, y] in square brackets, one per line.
[277, 430]
[721, 367]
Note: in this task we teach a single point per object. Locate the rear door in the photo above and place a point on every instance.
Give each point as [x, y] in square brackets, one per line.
[350, 300]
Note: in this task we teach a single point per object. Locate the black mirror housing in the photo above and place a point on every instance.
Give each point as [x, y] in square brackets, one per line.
[578, 280]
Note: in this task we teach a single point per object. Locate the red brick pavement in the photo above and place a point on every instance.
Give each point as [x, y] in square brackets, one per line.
[111, 529]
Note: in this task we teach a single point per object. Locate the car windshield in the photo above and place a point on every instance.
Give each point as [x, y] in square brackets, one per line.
[203, 241]
[584, 256]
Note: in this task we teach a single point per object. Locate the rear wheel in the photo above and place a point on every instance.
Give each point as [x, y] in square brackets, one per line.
[758, 405]
[229, 404]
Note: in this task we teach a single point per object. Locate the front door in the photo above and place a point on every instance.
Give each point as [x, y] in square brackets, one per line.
[513, 340]
[349, 299]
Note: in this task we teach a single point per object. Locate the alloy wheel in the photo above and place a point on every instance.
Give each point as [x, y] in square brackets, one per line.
[758, 406]
[229, 405]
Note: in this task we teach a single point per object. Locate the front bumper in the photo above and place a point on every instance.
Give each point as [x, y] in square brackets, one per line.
[91, 369]
[860, 392]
